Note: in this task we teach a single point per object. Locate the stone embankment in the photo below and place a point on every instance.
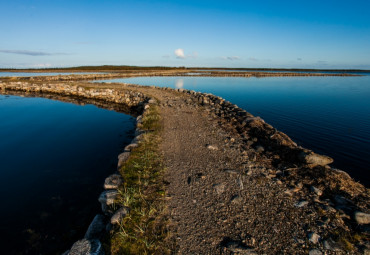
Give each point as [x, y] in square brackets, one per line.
[131, 100]
[136, 102]
[102, 76]
[112, 215]
[286, 197]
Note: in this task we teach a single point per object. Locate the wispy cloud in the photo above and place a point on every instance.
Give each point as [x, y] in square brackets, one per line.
[253, 59]
[232, 58]
[180, 53]
[166, 56]
[322, 62]
[31, 53]
[299, 59]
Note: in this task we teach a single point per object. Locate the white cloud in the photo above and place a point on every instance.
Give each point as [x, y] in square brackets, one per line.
[30, 53]
[232, 58]
[180, 53]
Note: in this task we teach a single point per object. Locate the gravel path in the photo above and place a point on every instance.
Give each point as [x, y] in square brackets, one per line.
[226, 195]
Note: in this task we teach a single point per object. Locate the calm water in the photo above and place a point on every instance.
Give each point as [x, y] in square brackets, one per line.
[22, 74]
[330, 115]
[54, 157]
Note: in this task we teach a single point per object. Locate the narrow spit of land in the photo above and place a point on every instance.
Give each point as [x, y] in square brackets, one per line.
[226, 195]
[228, 192]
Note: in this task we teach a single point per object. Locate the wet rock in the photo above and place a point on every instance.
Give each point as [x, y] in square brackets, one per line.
[113, 181]
[313, 159]
[87, 247]
[119, 215]
[96, 228]
[313, 237]
[362, 218]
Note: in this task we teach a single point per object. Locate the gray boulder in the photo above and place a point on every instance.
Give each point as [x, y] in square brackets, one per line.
[87, 247]
[362, 218]
[107, 199]
[131, 146]
[122, 158]
[119, 215]
[113, 181]
[313, 159]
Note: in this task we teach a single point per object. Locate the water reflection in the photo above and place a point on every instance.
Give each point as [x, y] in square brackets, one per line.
[179, 84]
[54, 157]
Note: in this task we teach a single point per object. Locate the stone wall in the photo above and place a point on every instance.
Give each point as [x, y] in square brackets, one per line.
[108, 98]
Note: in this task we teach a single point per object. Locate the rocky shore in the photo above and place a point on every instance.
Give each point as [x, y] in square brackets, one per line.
[235, 184]
[102, 76]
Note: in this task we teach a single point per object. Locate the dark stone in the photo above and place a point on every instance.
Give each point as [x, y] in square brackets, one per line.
[87, 247]
[113, 181]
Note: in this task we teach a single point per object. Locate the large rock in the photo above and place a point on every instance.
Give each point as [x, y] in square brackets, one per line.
[113, 181]
[312, 159]
[87, 247]
[119, 215]
[122, 158]
[131, 146]
[96, 228]
[362, 218]
[107, 199]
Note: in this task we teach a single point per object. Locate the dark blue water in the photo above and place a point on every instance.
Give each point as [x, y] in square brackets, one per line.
[54, 157]
[330, 115]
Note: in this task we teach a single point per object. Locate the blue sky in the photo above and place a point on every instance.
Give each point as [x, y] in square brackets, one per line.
[303, 34]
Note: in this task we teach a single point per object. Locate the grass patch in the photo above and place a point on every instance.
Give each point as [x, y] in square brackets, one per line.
[143, 231]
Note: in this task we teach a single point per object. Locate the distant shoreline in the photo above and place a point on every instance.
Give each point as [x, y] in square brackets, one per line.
[124, 68]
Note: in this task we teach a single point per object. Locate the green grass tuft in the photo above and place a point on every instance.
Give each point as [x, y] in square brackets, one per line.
[143, 231]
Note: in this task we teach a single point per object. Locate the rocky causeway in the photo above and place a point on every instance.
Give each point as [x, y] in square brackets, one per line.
[235, 184]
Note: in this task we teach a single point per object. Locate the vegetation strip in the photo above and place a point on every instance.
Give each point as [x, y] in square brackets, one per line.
[143, 230]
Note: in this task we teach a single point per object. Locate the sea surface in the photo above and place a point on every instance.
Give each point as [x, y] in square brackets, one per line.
[329, 115]
[54, 157]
